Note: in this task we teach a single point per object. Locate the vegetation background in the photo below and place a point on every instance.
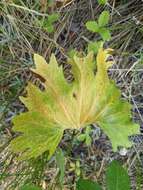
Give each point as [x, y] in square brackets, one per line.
[26, 28]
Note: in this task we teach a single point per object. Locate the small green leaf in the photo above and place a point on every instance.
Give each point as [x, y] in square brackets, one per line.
[48, 22]
[77, 171]
[92, 26]
[83, 184]
[88, 130]
[49, 28]
[72, 53]
[30, 187]
[102, 2]
[105, 34]
[81, 137]
[103, 18]
[117, 177]
[94, 46]
[78, 164]
[60, 160]
[88, 140]
[53, 17]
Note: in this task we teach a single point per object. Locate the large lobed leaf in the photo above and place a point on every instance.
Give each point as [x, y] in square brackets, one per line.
[88, 99]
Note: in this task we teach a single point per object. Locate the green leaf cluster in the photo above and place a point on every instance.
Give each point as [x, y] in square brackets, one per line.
[100, 26]
[75, 167]
[116, 179]
[86, 136]
[95, 46]
[47, 22]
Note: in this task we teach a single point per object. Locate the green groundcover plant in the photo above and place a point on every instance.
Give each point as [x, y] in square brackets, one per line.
[48, 23]
[90, 98]
[100, 26]
[116, 179]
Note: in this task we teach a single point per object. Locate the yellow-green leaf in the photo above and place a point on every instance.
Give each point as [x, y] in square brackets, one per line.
[38, 135]
[88, 99]
[92, 26]
[103, 18]
[102, 2]
[105, 34]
